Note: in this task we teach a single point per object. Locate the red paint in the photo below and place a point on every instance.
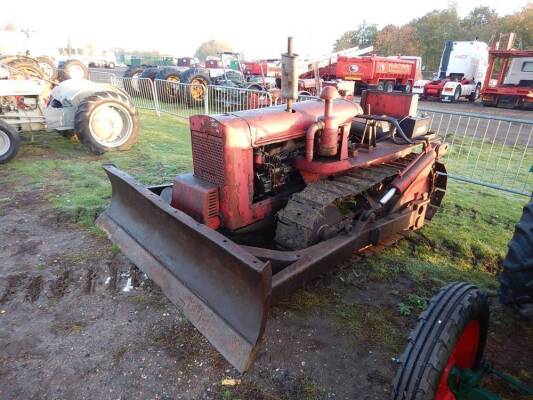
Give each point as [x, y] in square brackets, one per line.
[491, 94]
[393, 104]
[225, 156]
[463, 356]
[370, 70]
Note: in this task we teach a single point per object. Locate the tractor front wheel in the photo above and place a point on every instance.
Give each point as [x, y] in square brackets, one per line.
[9, 142]
[107, 121]
[450, 333]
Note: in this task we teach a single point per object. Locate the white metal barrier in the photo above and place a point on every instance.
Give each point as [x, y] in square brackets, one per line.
[222, 99]
[486, 150]
[101, 76]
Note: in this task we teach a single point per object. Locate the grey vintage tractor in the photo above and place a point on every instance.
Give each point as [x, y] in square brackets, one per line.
[102, 116]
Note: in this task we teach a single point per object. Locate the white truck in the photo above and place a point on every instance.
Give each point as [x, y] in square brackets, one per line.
[461, 72]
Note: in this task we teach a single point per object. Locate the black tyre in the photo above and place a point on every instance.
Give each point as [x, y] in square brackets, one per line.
[133, 86]
[408, 88]
[111, 65]
[451, 332]
[133, 72]
[150, 73]
[380, 85]
[475, 94]
[48, 67]
[456, 94]
[73, 69]
[199, 79]
[168, 90]
[388, 86]
[107, 121]
[516, 279]
[9, 142]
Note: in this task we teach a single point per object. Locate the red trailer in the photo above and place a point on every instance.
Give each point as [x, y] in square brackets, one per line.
[513, 87]
[374, 72]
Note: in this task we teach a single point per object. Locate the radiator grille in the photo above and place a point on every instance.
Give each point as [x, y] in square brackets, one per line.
[208, 157]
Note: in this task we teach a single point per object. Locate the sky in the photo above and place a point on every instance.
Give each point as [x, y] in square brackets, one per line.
[258, 29]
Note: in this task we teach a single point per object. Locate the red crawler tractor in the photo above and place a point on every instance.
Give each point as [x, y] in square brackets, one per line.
[278, 195]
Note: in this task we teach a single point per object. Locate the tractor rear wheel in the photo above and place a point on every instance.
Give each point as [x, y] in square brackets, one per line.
[150, 73]
[9, 142]
[451, 332]
[48, 67]
[107, 121]
[25, 67]
[73, 69]
[198, 80]
[516, 279]
[168, 90]
[133, 86]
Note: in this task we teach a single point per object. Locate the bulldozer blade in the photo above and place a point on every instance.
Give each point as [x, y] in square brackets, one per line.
[222, 289]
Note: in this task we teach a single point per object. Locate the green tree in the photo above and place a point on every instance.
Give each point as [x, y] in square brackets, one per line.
[520, 23]
[481, 22]
[211, 48]
[363, 36]
[397, 40]
[432, 30]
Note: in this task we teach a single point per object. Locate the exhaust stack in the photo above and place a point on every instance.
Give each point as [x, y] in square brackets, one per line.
[289, 77]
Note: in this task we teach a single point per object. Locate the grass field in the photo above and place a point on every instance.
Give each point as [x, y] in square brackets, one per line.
[466, 240]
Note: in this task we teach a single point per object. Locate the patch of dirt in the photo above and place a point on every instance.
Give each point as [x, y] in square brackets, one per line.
[78, 321]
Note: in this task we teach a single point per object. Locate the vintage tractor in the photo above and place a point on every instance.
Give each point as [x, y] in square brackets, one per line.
[444, 359]
[278, 195]
[102, 116]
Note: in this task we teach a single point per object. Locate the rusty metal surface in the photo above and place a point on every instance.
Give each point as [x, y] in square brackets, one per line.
[222, 289]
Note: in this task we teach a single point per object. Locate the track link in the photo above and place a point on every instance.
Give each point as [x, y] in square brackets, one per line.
[299, 223]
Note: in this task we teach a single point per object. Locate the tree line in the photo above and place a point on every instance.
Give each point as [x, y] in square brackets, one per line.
[425, 36]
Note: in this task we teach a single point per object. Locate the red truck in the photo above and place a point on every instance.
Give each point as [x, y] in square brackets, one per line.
[374, 72]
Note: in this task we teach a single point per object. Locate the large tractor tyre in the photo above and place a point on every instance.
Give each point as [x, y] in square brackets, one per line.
[516, 279]
[9, 142]
[132, 86]
[107, 121]
[24, 68]
[133, 72]
[168, 90]
[48, 67]
[451, 332]
[73, 69]
[475, 94]
[150, 73]
[198, 80]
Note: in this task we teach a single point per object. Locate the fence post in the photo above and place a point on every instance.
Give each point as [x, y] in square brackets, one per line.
[154, 95]
[206, 100]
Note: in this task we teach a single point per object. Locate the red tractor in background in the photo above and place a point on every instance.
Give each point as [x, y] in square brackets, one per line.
[513, 87]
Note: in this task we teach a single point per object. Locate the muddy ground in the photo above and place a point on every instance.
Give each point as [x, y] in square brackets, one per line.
[76, 324]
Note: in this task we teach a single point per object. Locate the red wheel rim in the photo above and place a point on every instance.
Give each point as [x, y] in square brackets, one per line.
[463, 356]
